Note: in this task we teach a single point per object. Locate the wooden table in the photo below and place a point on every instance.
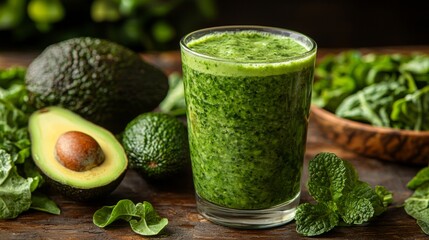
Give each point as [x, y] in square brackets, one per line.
[175, 199]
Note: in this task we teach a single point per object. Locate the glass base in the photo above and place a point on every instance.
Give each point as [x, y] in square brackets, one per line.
[248, 219]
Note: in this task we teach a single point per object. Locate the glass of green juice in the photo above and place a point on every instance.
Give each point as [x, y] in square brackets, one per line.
[248, 93]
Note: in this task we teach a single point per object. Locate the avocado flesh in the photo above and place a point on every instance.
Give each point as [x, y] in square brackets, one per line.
[101, 81]
[45, 127]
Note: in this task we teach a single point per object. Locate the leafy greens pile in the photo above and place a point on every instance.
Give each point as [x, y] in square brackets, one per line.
[389, 90]
[342, 199]
[20, 180]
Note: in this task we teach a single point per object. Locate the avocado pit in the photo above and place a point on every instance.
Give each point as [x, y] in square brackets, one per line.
[78, 151]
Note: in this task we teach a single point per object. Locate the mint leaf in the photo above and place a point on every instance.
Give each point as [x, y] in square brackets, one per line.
[356, 208]
[384, 195]
[373, 202]
[329, 176]
[312, 220]
[341, 197]
[421, 177]
[142, 217]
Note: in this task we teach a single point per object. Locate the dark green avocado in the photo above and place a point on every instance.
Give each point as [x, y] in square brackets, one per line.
[79, 159]
[102, 81]
[156, 145]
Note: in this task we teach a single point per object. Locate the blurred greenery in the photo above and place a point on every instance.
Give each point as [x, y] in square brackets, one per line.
[138, 24]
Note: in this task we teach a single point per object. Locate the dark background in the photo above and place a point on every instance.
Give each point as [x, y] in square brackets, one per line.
[331, 23]
[336, 23]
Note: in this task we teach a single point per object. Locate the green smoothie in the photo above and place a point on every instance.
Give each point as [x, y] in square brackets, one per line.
[248, 97]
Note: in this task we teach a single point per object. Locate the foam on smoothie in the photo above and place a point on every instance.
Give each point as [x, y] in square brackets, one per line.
[247, 53]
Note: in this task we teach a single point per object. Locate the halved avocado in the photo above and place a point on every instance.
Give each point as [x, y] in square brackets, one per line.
[47, 126]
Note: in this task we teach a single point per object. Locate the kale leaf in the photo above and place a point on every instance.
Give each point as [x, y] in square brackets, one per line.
[342, 199]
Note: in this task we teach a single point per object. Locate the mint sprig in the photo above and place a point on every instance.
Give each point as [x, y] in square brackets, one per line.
[342, 199]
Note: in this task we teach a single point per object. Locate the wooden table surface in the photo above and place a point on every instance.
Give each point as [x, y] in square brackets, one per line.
[175, 199]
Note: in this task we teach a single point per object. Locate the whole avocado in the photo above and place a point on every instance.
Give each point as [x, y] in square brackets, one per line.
[156, 145]
[102, 81]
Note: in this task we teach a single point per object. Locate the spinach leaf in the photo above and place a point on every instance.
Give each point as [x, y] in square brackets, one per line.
[417, 205]
[389, 90]
[150, 223]
[142, 217]
[372, 104]
[41, 202]
[342, 199]
[412, 111]
[421, 178]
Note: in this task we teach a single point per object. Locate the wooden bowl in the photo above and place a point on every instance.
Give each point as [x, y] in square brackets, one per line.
[410, 147]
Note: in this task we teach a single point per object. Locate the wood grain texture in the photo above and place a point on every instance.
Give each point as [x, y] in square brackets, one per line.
[175, 199]
[408, 147]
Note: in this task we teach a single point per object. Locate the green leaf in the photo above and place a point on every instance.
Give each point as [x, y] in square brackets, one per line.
[357, 206]
[312, 220]
[424, 225]
[368, 104]
[6, 166]
[385, 196]
[15, 193]
[417, 205]
[329, 176]
[421, 178]
[124, 209]
[388, 90]
[151, 223]
[419, 64]
[412, 110]
[142, 217]
[43, 203]
[340, 195]
[174, 103]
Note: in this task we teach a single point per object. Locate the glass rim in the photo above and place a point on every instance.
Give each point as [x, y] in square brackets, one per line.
[236, 28]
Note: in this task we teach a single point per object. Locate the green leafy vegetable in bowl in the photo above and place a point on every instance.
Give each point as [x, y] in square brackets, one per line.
[390, 90]
[143, 218]
[342, 199]
[20, 181]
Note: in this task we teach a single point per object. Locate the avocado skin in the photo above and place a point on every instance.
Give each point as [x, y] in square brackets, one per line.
[156, 145]
[102, 81]
[83, 195]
